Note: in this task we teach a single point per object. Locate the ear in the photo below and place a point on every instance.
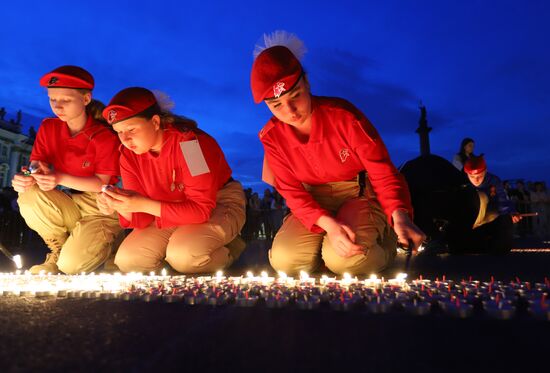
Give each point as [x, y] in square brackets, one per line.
[156, 122]
[87, 98]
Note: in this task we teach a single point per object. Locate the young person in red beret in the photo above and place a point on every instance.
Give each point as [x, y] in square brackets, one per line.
[77, 151]
[179, 196]
[492, 231]
[315, 148]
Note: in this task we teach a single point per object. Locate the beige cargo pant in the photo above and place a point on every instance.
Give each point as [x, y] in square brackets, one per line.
[86, 236]
[295, 248]
[484, 215]
[192, 248]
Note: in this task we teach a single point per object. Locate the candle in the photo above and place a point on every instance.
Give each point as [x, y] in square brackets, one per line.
[457, 308]
[311, 302]
[277, 301]
[417, 308]
[379, 305]
[246, 300]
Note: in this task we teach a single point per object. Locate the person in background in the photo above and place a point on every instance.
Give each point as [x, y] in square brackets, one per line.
[464, 153]
[493, 228]
[539, 204]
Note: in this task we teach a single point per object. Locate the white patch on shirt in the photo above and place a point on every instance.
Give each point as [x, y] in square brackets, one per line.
[344, 154]
[194, 157]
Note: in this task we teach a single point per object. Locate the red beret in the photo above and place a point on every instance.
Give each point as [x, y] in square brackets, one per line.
[68, 77]
[274, 71]
[128, 103]
[475, 165]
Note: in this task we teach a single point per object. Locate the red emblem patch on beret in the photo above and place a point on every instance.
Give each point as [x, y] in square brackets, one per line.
[112, 116]
[278, 89]
[128, 103]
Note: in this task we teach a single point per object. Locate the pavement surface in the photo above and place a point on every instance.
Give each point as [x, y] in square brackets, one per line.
[94, 335]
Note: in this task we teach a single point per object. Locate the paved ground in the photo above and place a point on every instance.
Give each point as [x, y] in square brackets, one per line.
[92, 335]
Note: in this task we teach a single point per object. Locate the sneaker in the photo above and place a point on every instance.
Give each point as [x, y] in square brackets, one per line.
[50, 264]
[236, 247]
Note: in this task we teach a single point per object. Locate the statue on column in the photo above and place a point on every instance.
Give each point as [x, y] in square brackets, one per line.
[18, 121]
[2, 113]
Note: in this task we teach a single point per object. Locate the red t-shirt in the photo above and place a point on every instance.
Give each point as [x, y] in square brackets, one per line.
[342, 143]
[94, 150]
[166, 177]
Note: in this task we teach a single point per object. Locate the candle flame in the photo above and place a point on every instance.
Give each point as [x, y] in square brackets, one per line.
[401, 276]
[18, 261]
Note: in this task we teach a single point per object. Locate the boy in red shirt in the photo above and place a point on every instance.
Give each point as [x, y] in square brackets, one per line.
[77, 151]
[178, 193]
[315, 147]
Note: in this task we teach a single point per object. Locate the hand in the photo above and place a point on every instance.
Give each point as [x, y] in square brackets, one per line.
[124, 201]
[46, 181]
[22, 183]
[516, 218]
[342, 239]
[104, 205]
[41, 168]
[406, 230]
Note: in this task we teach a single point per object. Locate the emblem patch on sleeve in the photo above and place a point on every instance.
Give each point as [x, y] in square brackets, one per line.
[194, 157]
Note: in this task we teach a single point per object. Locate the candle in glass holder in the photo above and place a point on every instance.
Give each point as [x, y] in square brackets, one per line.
[308, 302]
[244, 299]
[379, 305]
[502, 310]
[417, 308]
[277, 301]
[457, 308]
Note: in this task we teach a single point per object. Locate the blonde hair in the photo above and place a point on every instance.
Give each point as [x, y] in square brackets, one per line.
[94, 107]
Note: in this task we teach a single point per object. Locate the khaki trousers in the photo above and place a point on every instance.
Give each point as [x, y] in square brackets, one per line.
[86, 236]
[485, 215]
[192, 248]
[295, 248]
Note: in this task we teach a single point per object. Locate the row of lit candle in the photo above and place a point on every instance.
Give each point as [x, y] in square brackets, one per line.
[377, 295]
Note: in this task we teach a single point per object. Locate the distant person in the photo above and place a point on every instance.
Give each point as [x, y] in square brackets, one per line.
[539, 204]
[179, 197]
[522, 198]
[255, 216]
[493, 228]
[318, 149]
[464, 153]
[77, 151]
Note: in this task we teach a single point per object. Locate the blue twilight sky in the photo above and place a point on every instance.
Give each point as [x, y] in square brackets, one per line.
[482, 68]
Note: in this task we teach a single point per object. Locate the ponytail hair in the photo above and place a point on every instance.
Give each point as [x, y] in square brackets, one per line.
[169, 119]
[95, 110]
